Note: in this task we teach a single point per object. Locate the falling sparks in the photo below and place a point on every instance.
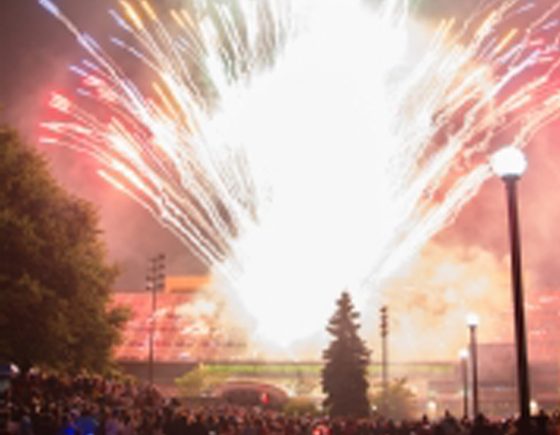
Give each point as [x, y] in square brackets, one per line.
[303, 147]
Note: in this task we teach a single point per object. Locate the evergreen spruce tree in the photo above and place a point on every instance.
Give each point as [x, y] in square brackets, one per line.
[344, 374]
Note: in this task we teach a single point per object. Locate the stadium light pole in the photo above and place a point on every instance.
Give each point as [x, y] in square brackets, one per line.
[509, 164]
[472, 322]
[384, 329]
[463, 357]
[155, 281]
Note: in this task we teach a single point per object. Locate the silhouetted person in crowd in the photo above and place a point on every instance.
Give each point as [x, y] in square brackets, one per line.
[542, 420]
[86, 422]
[481, 426]
[197, 427]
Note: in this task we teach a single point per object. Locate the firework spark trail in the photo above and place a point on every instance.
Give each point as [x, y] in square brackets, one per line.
[281, 141]
[164, 131]
[475, 121]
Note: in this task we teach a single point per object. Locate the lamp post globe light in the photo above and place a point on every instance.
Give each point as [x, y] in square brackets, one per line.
[472, 322]
[509, 164]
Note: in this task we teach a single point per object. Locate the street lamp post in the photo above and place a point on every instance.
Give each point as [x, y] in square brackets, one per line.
[463, 356]
[472, 322]
[509, 164]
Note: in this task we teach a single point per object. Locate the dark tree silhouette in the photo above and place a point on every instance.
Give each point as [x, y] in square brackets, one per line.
[344, 374]
[55, 282]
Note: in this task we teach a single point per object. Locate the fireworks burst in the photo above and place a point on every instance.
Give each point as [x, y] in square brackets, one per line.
[303, 147]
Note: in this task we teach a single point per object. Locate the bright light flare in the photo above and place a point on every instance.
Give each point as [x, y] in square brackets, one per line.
[331, 211]
[509, 162]
[472, 319]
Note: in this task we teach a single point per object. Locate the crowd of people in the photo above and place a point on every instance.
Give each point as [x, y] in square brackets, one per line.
[85, 405]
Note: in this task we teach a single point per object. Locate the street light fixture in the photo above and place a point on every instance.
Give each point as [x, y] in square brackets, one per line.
[534, 407]
[472, 322]
[509, 164]
[431, 409]
[463, 357]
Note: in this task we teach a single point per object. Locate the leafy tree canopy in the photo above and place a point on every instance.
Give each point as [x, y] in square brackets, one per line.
[344, 375]
[54, 277]
[398, 402]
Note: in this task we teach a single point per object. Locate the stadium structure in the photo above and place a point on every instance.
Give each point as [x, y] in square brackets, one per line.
[186, 335]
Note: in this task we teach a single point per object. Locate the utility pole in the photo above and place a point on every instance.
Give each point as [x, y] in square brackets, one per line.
[472, 322]
[464, 356]
[384, 358]
[155, 281]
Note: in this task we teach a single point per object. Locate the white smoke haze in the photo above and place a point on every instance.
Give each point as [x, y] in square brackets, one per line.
[429, 303]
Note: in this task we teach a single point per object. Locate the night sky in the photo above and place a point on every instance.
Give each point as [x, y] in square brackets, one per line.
[35, 53]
